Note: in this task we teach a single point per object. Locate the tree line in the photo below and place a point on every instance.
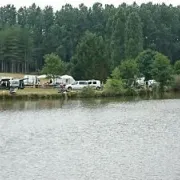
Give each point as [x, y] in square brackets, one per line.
[90, 41]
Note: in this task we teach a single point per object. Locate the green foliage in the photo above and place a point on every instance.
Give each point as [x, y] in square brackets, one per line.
[177, 67]
[87, 92]
[145, 62]
[131, 92]
[15, 49]
[116, 74]
[114, 34]
[133, 36]
[117, 44]
[90, 60]
[161, 70]
[176, 83]
[114, 87]
[129, 69]
[53, 65]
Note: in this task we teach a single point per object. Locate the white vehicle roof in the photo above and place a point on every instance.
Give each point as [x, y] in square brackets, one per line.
[93, 80]
[42, 76]
[6, 77]
[66, 77]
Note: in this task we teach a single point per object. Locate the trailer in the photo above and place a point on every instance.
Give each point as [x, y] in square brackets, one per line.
[31, 80]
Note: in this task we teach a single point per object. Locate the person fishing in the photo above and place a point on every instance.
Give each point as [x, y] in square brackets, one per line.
[62, 88]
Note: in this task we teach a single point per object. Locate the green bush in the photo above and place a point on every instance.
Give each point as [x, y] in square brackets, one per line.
[113, 87]
[177, 67]
[131, 92]
[142, 92]
[176, 83]
[87, 92]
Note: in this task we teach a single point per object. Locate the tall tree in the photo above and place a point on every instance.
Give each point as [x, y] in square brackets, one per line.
[126, 31]
[48, 43]
[161, 70]
[145, 62]
[129, 71]
[90, 60]
[53, 65]
[8, 15]
[177, 67]
[35, 20]
[117, 38]
[133, 35]
[22, 16]
[15, 48]
[97, 19]
[65, 21]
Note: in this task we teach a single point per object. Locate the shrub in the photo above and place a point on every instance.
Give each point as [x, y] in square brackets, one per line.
[113, 87]
[87, 92]
[116, 74]
[161, 70]
[177, 67]
[176, 83]
[131, 92]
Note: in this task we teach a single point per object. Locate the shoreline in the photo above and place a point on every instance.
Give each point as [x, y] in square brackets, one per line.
[54, 95]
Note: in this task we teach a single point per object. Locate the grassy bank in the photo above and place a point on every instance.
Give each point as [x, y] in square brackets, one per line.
[38, 93]
[31, 93]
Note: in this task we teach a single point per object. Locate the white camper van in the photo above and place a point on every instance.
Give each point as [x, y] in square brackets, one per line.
[30, 80]
[65, 79]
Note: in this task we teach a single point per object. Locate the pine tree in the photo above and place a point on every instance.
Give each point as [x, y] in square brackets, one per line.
[133, 36]
[90, 60]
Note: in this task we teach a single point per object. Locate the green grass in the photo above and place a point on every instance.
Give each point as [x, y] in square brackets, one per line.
[37, 91]
[27, 91]
[31, 93]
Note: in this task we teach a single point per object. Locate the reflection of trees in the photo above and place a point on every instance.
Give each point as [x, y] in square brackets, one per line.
[31, 105]
[44, 104]
[6, 105]
[93, 103]
[50, 104]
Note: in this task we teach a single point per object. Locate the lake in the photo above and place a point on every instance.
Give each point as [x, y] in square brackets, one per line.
[90, 139]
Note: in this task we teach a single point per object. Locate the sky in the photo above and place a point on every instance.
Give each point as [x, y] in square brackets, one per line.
[57, 4]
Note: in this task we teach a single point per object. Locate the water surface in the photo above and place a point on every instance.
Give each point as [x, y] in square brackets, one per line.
[90, 139]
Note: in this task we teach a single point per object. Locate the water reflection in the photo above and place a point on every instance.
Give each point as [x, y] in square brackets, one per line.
[31, 105]
[64, 103]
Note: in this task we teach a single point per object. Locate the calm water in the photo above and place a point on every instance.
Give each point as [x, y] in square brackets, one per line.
[90, 140]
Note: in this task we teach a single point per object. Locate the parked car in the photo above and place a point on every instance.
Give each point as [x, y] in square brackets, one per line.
[77, 85]
[95, 84]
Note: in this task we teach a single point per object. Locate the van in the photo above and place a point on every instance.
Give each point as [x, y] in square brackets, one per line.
[95, 84]
[77, 85]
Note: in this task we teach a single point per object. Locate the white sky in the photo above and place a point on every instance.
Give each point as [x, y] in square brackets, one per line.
[57, 4]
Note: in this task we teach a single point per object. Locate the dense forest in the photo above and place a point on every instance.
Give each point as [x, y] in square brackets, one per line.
[94, 39]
